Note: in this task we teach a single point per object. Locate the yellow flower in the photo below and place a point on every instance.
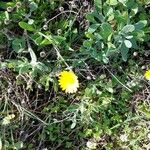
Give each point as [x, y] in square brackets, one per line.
[68, 81]
[147, 74]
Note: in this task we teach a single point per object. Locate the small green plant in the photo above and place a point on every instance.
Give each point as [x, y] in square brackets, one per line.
[113, 30]
[74, 74]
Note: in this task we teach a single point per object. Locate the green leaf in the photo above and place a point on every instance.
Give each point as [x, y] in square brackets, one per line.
[112, 2]
[118, 38]
[7, 15]
[139, 35]
[26, 26]
[89, 35]
[141, 24]
[24, 68]
[128, 29]
[18, 44]
[124, 52]
[109, 11]
[42, 66]
[111, 49]
[45, 81]
[18, 145]
[98, 4]
[46, 42]
[105, 58]
[127, 43]
[106, 30]
[74, 122]
[135, 8]
[38, 40]
[98, 16]
[110, 89]
[68, 144]
[87, 43]
[93, 28]
[98, 36]
[3, 5]
[96, 55]
[73, 125]
[33, 6]
[58, 39]
[90, 18]
[129, 36]
[134, 43]
[122, 1]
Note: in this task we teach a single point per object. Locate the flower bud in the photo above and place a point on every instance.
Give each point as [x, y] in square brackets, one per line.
[42, 54]
[72, 4]
[39, 86]
[18, 4]
[85, 3]
[135, 54]
[45, 27]
[10, 9]
[9, 90]
[61, 9]
[59, 31]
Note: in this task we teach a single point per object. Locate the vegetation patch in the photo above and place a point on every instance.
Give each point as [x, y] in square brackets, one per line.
[74, 75]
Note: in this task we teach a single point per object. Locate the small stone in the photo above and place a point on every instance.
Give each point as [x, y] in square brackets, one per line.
[143, 67]
[88, 78]
[135, 54]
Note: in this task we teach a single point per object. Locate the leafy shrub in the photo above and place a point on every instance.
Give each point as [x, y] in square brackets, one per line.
[96, 39]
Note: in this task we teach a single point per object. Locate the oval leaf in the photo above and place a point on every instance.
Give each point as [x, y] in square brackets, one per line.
[112, 2]
[141, 24]
[128, 28]
[127, 43]
[124, 52]
[26, 26]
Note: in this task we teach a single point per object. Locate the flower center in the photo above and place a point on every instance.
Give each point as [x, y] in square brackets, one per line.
[71, 80]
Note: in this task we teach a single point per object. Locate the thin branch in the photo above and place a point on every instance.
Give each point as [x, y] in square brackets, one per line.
[118, 80]
[67, 11]
[32, 54]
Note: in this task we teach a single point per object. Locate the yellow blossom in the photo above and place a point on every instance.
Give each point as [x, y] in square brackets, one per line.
[147, 74]
[68, 81]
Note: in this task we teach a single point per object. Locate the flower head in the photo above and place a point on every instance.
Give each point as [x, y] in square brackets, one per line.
[147, 74]
[68, 81]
